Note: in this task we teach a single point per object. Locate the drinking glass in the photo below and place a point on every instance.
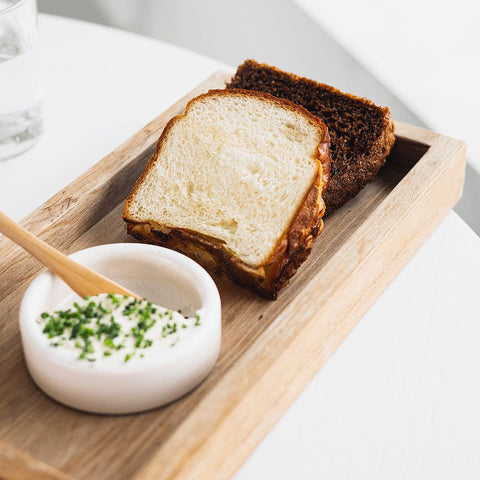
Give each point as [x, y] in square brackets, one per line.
[20, 105]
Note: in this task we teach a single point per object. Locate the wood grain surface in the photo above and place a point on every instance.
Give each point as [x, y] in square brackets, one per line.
[270, 350]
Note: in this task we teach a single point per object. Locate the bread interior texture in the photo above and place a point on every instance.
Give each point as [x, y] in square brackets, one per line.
[235, 168]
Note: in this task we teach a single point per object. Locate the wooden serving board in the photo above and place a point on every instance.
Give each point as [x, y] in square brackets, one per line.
[270, 350]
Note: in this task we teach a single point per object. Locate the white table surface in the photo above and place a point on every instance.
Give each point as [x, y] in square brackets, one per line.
[401, 396]
[425, 52]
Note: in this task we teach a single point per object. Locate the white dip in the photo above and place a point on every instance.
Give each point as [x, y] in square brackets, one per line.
[115, 328]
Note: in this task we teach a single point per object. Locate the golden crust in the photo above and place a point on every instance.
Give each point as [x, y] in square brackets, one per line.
[292, 248]
[266, 279]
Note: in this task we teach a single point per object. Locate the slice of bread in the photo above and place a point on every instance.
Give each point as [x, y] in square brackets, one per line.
[361, 133]
[236, 184]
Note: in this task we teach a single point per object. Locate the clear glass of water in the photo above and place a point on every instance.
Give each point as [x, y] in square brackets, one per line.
[20, 103]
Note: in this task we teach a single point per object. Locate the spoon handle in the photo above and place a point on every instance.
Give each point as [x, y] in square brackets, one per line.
[79, 278]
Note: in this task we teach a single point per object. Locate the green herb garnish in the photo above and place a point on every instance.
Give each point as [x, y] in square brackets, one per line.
[90, 326]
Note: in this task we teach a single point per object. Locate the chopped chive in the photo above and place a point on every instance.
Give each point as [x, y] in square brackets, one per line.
[91, 322]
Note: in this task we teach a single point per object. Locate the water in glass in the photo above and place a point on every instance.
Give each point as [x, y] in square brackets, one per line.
[20, 106]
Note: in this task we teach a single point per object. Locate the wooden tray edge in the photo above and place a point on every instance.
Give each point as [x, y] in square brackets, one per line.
[16, 465]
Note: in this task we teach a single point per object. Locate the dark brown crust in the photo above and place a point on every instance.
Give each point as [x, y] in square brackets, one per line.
[347, 185]
[292, 248]
[352, 167]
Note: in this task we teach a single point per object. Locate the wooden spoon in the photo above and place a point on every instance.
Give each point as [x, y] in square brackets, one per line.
[79, 278]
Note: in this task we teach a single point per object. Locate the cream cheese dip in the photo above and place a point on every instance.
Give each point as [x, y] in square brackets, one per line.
[115, 328]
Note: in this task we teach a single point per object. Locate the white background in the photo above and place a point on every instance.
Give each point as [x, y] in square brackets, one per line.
[427, 52]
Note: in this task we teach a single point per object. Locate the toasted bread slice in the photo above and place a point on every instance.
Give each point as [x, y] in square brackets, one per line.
[361, 133]
[236, 184]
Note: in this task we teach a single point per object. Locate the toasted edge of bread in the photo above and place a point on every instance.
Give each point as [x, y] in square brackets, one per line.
[292, 247]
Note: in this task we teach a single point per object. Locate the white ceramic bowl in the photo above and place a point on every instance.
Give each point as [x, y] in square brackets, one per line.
[165, 277]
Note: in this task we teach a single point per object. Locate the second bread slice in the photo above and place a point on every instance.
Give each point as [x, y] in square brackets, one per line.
[236, 183]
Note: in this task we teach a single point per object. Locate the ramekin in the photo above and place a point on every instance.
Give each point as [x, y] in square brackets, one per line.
[163, 276]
